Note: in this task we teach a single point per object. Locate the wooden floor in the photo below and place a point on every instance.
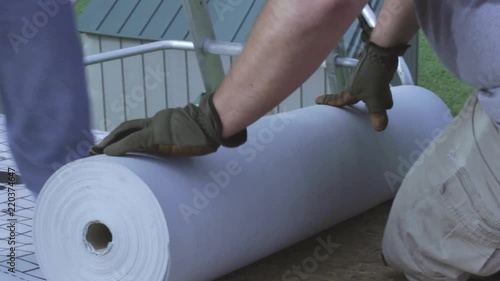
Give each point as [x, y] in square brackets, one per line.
[357, 257]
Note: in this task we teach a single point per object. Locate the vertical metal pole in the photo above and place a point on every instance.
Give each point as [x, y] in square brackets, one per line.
[200, 26]
[337, 76]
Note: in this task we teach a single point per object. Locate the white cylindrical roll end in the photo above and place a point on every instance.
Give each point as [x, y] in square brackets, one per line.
[90, 226]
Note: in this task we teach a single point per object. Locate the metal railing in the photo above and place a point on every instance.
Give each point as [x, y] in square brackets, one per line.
[210, 48]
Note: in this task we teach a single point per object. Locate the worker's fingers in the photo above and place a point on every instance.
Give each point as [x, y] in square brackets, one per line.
[378, 116]
[339, 100]
[122, 131]
[134, 142]
[379, 121]
[377, 107]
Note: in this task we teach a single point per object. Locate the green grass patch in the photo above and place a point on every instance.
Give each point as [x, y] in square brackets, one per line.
[80, 6]
[434, 76]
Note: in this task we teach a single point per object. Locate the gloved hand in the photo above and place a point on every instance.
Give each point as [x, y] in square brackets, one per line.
[187, 131]
[370, 83]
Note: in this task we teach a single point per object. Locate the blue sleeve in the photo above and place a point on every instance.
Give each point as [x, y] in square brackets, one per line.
[43, 87]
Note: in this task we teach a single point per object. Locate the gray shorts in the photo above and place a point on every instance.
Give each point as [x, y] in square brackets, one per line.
[445, 220]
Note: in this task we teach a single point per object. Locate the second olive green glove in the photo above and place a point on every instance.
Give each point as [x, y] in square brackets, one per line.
[188, 131]
[370, 81]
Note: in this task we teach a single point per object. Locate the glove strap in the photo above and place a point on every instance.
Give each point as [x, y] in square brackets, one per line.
[391, 51]
[233, 141]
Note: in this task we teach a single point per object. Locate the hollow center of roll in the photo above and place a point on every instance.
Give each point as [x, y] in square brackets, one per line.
[98, 238]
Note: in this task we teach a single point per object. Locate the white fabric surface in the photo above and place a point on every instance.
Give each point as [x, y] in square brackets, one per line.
[300, 172]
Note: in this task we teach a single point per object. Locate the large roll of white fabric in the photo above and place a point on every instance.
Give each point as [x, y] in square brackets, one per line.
[152, 218]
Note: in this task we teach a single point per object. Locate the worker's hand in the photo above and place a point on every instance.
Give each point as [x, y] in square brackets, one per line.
[370, 83]
[188, 131]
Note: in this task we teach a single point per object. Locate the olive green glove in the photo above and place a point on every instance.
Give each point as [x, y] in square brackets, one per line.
[187, 131]
[370, 83]
[366, 30]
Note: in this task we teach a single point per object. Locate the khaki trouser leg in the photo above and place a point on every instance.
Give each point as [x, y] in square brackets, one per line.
[445, 219]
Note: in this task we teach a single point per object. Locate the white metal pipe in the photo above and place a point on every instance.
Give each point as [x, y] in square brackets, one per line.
[212, 47]
[137, 50]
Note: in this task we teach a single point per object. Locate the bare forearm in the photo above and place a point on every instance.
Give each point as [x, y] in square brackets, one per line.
[288, 43]
[396, 23]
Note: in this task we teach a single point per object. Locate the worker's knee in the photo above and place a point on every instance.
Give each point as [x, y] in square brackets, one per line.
[402, 252]
[438, 234]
